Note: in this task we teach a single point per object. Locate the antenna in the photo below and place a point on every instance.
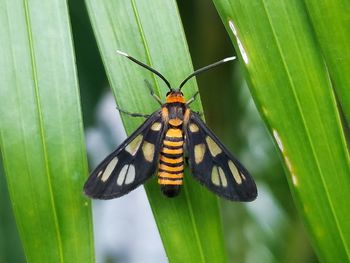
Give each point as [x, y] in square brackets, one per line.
[145, 66]
[198, 71]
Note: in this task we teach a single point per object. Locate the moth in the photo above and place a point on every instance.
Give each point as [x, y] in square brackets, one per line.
[160, 144]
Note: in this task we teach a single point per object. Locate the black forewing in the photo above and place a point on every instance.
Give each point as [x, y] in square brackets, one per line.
[131, 164]
[217, 169]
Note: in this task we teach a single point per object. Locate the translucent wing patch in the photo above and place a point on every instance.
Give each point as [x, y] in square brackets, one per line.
[214, 166]
[131, 164]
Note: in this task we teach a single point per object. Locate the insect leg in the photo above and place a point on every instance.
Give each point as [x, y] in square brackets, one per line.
[200, 114]
[133, 114]
[149, 86]
[186, 161]
[192, 99]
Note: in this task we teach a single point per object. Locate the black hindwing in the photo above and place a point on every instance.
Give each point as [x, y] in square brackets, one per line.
[214, 166]
[131, 164]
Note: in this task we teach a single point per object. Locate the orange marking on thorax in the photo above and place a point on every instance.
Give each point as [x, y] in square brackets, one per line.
[187, 116]
[175, 97]
[175, 122]
[165, 114]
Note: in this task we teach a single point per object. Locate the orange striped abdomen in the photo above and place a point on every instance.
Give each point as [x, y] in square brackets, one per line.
[171, 162]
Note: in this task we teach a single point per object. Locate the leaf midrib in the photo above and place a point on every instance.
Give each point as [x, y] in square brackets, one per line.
[193, 222]
[41, 125]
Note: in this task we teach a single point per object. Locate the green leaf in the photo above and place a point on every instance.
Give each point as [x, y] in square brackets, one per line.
[151, 31]
[290, 84]
[331, 22]
[41, 132]
[10, 245]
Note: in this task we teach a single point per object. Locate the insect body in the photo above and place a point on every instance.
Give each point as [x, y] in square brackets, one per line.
[160, 144]
[171, 161]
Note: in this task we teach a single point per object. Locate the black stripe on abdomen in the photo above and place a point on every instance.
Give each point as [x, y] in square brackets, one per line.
[171, 163]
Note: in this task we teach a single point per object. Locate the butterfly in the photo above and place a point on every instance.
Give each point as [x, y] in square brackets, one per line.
[159, 146]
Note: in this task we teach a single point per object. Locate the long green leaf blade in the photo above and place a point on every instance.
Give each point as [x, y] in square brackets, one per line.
[41, 131]
[291, 86]
[189, 225]
[331, 22]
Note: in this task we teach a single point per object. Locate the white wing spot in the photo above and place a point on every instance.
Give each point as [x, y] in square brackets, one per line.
[134, 145]
[194, 127]
[148, 151]
[126, 175]
[213, 147]
[235, 172]
[156, 126]
[215, 176]
[199, 151]
[222, 177]
[122, 174]
[130, 177]
[109, 169]
[218, 176]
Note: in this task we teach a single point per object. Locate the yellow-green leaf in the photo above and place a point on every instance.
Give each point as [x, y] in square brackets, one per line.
[289, 81]
[189, 225]
[41, 131]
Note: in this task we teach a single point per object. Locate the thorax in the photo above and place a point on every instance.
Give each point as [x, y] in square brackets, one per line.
[174, 114]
